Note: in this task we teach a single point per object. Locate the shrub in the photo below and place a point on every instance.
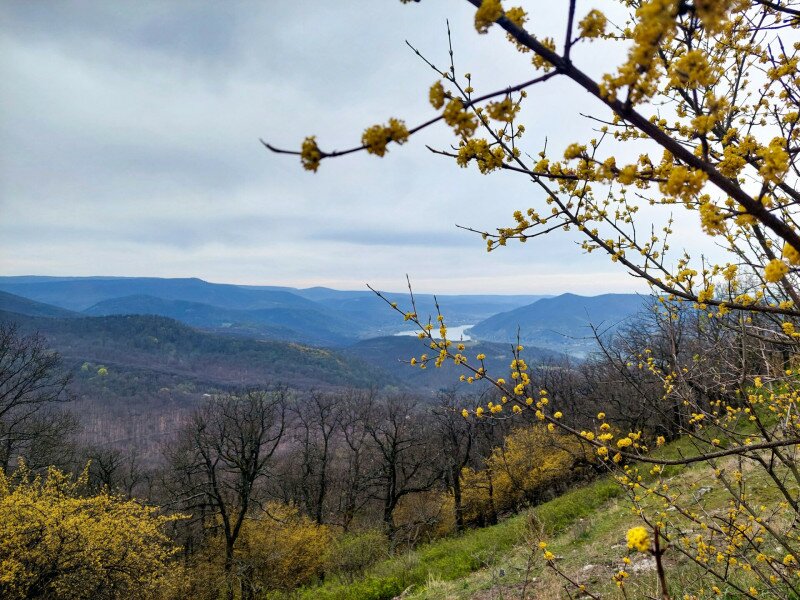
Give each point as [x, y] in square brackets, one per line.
[282, 549]
[352, 553]
[56, 542]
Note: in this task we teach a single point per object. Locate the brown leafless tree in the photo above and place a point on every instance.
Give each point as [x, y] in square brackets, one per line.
[224, 453]
[33, 383]
[405, 462]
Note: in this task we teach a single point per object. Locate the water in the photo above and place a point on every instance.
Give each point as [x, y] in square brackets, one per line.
[453, 333]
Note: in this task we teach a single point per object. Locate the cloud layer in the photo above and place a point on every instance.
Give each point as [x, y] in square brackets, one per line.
[130, 146]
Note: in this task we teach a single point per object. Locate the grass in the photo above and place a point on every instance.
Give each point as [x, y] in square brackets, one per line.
[455, 558]
[585, 528]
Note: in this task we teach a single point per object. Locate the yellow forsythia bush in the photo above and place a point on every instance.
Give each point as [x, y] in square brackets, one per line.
[282, 549]
[532, 465]
[56, 542]
[424, 516]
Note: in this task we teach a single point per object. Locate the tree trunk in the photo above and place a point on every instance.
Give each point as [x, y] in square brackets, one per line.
[388, 521]
[458, 509]
[229, 569]
[492, 510]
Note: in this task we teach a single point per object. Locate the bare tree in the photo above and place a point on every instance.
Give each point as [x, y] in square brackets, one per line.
[455, 434]
[317, 420]
[405, 464]
[113, 469]
[32, 382]
[354, 454]
[225, 451]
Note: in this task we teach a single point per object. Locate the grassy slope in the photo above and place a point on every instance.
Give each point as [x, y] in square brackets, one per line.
[459, 559]
[585, 528]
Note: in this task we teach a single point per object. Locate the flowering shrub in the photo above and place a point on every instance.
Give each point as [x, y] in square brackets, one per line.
[56, 542]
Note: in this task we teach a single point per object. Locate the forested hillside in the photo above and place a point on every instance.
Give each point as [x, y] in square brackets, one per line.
[317, 316]
[137, 378]
[567, 322]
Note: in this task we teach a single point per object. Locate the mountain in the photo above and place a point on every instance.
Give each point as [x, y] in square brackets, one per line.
[457, 310]
[299, 324]
[392, 353]
[81, 293]
[24, 306]
[163, 345]
[563, 322]
[136, 378]
[317, 315]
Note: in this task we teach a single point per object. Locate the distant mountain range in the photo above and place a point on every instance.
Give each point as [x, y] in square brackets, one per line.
[564, 322]
[317, 316]
[150, 354]
[321, 316]
[305, 324]
[144, 351]
[24, 306]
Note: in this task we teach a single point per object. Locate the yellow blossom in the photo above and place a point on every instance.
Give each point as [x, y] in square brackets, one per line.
[437, 95]
[775, 270]
[487, 14]
[638, 539]
[310, 154]
[376, 138]
[593, 25]
[790, 254]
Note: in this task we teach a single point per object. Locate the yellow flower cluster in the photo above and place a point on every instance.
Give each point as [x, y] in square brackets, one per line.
[775, 270]
[463, 123]
[774, 160]
[593, 25]
[539, 62]
[437, 95]
[504, 111]
[488, 12]
[691, 70]
[683, 183]
[655, 20]
[487, 158]
[790, 254]
[706, 294]
[310, 154]
[712, 13]
[711, 218]
[376, 138]
[638, 539]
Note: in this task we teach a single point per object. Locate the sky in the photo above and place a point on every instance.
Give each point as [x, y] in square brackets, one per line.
[130, 132]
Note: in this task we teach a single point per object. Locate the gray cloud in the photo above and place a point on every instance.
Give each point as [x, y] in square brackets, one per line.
[130, 131]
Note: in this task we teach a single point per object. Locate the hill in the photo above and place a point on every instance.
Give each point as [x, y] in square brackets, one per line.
[391, 354]
[24, 306]
[163, 345]
[316, 315]
[136, 377]
[585, 528]
[299, 324]
[563, 322]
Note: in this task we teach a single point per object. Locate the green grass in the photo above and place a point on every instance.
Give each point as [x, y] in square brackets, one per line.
[584, 527]
[562, 512]
[456, 557]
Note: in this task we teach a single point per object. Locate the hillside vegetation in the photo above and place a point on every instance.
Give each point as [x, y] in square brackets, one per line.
[585, 528]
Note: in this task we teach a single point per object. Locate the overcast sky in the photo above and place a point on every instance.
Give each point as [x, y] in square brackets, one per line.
[130, 130]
